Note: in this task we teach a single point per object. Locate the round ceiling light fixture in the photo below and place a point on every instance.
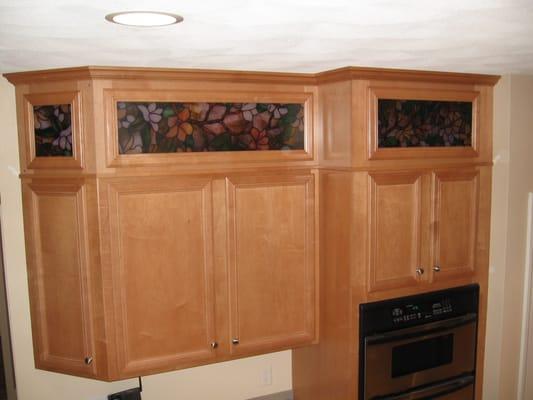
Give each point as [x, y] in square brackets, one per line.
[144, 18]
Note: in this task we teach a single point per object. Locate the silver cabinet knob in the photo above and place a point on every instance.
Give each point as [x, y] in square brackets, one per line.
[436, 268]
[235, 341]
[419, 271]
[88, 360]
[214, 345]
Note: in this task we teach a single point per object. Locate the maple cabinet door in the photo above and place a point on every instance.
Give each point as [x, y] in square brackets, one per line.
[455, 196]
[397, 230]
[59, 280]
[160, 239]
[271, 243]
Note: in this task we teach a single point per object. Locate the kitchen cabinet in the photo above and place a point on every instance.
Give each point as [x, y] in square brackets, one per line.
[165, 273]
[175, 218]
[56, 228]
[160, 242]
[405, 192]
[271, 238]
[422, 227]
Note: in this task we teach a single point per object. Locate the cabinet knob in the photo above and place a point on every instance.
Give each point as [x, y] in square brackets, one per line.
[419, 271]
[235, 341]
[88, 360]
[436, 268]
[214, 345]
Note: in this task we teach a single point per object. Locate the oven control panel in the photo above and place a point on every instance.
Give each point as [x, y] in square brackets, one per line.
[404, 312]
[421, 311]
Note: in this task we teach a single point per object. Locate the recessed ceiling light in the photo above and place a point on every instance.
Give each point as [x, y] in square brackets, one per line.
[144, 18]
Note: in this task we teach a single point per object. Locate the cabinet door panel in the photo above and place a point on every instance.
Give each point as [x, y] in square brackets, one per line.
[272, 268]
[161, 245]
[455, 222]
[59, 278]
[395, 230]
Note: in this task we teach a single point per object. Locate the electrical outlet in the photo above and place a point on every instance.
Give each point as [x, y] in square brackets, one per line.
[130, 394]
[266, 376]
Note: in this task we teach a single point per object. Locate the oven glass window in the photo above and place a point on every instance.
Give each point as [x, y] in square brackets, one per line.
[423, 354]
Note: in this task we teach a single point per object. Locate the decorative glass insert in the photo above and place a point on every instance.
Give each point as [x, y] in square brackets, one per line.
[53, 130]
[168, 127]
[424, 123]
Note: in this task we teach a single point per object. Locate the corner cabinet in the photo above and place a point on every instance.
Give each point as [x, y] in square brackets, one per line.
[171, 218]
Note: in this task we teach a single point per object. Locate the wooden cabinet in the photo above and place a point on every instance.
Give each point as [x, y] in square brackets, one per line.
[422, 227]
[59, 278]
[177, 304]
[271, 239]
[456, 215]
[161, 239]
[178, 218]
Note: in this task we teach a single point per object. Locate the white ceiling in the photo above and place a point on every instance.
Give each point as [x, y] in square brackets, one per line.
[485, 36]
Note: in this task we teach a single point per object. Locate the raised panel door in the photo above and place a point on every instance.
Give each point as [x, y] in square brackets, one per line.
[59, 279]
[271, 231]
[455, 196]
[161, 252]
[396, 222]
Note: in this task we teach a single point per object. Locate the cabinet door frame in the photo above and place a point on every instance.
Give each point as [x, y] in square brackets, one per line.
[438, 177]
[418, 179]
[115, 187]
[310, 334]
[86, 364]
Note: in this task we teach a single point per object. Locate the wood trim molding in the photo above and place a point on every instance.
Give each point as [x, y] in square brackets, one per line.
[346, 73]
[392, 74]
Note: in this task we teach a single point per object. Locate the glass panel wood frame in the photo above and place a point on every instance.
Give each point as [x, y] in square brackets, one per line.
[384, 153]
[114, 98]
[70, 141]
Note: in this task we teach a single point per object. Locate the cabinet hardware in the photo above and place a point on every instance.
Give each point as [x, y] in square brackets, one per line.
[88, 360]
[419, 271]
[436, 268]
[235, 341]
[214, 345]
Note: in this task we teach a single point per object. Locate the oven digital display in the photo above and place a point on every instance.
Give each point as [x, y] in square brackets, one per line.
[421, 312]
[421, 355]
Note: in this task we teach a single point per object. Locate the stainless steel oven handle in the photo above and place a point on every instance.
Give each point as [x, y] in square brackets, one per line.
[421, 330]
[438, 389]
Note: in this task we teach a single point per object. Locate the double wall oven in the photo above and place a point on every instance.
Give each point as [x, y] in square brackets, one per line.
[420, 347]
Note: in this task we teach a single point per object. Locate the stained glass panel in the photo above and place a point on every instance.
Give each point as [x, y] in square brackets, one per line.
[424, 123]
[168, 127]
[53, 130]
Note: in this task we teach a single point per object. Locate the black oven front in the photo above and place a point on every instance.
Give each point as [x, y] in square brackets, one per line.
[420, 347]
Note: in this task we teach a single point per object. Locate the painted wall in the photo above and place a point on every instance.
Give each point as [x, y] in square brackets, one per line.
[513, 179]
[235, 380]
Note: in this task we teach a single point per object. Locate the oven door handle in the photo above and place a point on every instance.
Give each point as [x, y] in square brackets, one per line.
[421, 330]
[430, 392]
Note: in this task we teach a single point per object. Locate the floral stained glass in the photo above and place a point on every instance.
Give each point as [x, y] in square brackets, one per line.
[53, 130]
[423, 123]
[168, 127]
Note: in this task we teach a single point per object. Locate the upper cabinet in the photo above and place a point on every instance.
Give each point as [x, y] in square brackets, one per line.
[423, 226]
[410, 120]
[172, 216]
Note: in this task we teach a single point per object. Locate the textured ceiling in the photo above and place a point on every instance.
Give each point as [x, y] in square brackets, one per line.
[485, 36]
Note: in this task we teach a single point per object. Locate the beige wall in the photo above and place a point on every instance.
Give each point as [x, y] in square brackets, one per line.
[513, 180]
[236, 380]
